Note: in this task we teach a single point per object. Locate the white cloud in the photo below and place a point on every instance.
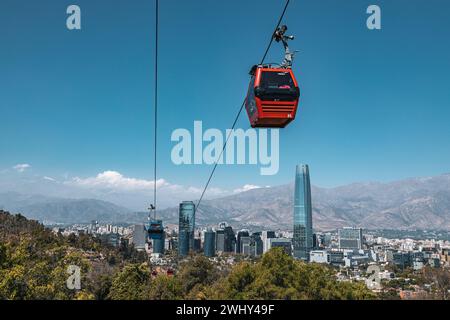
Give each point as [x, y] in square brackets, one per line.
[115, 180]
[21, 167]
[246, 187]
[137, 193]
[113, 186]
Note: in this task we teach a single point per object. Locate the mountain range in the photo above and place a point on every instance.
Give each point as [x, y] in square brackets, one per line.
[416, 203]
[53, 210]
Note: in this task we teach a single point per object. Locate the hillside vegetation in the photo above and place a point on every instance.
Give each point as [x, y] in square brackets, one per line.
[34, 261]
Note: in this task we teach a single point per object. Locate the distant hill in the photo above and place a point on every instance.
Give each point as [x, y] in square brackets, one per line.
[417, 203]
[58, 210]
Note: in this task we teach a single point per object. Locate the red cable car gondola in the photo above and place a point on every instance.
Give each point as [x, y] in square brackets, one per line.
[273, 93]
[272, 98]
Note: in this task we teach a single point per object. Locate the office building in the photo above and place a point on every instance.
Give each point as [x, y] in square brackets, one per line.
[247, 248]
[158, 245]
[336, 258]
[265, 236]
[315, 241]
[326, 240]
[303, 233]
[220, 240]
[402, 259]
[319, 256]
[209, 244]
[350, 238]
[225, 238]
[284, 243]
[251, 245]
[139, 236]
[240, 234]
[197, 245]
[258, 243]
[186, 227]
[113, 239]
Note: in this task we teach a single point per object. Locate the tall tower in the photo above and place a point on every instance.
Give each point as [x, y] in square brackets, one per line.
[303, 234]
[209, 245]
[186, 227]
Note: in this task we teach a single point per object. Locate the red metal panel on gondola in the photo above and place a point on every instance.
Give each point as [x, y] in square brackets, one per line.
[272, 98]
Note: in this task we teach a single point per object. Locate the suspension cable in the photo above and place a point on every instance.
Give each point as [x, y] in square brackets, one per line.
[156, 106]
[240, 111]
[271, 37]
[220, 155]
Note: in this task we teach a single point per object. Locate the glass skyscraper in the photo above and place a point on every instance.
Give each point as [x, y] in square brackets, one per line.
[240, 234]
[350, 238]
[158, 244]
[225, 238]
[209, 245]
[303, 234]
[186, 227]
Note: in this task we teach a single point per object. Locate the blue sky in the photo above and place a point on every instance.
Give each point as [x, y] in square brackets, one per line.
[375, 104]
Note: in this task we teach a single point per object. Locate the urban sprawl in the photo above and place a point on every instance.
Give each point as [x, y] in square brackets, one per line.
[355, 253]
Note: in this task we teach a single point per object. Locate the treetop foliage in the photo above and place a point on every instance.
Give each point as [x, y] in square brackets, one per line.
[34, 261]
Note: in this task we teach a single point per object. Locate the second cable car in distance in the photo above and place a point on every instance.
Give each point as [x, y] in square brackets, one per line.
[273, 93]
[155, 229]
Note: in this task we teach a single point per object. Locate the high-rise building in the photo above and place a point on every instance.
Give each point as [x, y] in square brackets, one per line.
[303, 234]
[258, 243]
[246, 246]
[158, 245]
[186, 227]
[240, 234]
[93, 227]
[251, 245]
[265, 236]
[220, 240]
[209, 244]
[230, 239]
[350, 238]
[315, 241]
[326, 240]
[156, 235]
[197, 245]
[139, 237]
[225, 238]
[285, 244]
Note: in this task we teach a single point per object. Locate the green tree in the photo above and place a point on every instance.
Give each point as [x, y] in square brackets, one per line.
[279, 276]
[166, 288]
[131, 283]
[13, 285]
[195, 274]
